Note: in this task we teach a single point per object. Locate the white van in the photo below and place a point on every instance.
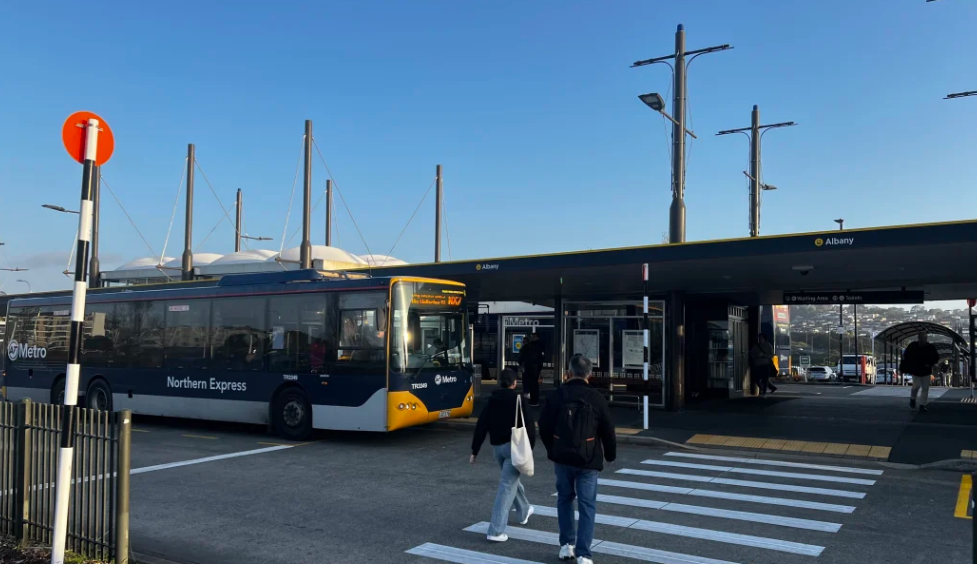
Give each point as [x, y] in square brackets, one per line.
[859, 368]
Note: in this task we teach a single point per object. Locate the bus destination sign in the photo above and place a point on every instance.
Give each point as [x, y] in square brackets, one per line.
[448, 300]
[842, 298]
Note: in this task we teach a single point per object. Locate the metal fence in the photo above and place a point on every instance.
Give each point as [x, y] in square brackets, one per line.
[98, 514]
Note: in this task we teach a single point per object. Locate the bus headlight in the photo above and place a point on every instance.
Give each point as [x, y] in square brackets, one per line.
[401, 407]
[413, 406]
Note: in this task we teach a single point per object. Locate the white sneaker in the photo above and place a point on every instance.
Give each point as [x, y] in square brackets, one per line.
[584, 560]
[498, 538]
[528, 515]
[567, 552]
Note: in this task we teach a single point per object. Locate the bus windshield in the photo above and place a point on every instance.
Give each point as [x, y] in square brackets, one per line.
[428, 327]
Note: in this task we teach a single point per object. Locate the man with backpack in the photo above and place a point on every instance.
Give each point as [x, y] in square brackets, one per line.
[578, 433]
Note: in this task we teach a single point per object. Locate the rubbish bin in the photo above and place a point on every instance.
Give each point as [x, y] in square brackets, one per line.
[477, 379]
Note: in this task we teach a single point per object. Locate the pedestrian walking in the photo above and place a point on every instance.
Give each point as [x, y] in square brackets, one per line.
[578, 433]
[496, 421]
[531, 362]
[761, 364]
[918, 360]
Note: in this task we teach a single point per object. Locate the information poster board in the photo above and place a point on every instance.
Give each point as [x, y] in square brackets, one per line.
[517, 341]
[805, 361]
[633, 349]
[587, 343]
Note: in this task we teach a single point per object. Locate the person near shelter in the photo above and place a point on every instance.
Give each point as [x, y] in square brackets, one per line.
[918, 360]
[495, 420]
[761, 364]
[531, 363]
[578, 432]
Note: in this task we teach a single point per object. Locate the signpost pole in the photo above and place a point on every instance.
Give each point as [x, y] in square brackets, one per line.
[973, 351]
[66, 455]
[647, 339]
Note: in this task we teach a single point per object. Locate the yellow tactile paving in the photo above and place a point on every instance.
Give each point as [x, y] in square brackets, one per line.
[968, 454]
[773, 444]
[858, 450]
[880, 452]
[626, 431]
[796, 446]
[816, 448]
[835, 448]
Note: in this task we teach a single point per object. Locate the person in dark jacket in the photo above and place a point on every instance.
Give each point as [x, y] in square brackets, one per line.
[575, 480]
[918, 360]
[496, 421]
[531, 362]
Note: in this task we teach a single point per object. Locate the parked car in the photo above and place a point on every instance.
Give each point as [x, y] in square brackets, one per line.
[888, 376]
[821, 374]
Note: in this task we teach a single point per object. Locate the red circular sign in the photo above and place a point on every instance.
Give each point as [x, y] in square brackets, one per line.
[971, 302]
[73, 135]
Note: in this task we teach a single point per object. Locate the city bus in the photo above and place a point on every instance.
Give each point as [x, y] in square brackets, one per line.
[297, 350]
[775, 325]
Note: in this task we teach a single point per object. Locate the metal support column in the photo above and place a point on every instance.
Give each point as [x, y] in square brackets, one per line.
[237, 220]
[124, 447]
[559, 336]
[328, 212]
[676, 213]
[973, 356]
[676, 349]
[438, 203]
[755, 173]
[188, 221]
[94, 272]
[305, 250]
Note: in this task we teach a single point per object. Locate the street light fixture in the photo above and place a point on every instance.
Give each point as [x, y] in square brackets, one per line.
[14, 269]
[58, 208]
[961, 94]
[841, 224]
[28, 285]
[250, 238]
[654, 101]
[762, 185]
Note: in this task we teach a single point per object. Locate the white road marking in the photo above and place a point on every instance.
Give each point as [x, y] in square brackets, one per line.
[785, 502]
[898, 392]
[758, 472]
[696, 533]
[745, 483]
[461, 556]
[763, 462]
[792, 522]
[168, 465]
[598, 547]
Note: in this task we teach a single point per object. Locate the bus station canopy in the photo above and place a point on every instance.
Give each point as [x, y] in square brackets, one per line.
[937, 259]
[899, 334]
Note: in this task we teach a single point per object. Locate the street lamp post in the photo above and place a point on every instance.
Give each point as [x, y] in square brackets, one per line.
[841, 322]
[26, 282]
[94, 271]
[654, 101]
[676, 215]
[756, 132]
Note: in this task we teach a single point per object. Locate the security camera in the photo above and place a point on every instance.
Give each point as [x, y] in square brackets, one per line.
[803, 270]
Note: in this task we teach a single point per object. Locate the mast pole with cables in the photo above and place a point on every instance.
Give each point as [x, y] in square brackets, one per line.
[188, 227]
[328, 212]
[438, 198]
[237, 221]
[305, 251]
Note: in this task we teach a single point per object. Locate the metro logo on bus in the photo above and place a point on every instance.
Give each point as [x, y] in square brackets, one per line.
[16, 350]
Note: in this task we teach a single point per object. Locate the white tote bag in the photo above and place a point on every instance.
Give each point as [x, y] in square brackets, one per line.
[522, 450]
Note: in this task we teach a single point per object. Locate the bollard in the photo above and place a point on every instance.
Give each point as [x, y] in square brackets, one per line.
[122, 488]
[973, 518]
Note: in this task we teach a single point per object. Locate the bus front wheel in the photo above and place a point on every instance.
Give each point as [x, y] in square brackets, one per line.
[292, 415]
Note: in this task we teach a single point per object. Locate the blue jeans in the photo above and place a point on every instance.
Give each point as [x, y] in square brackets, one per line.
[579, 483]
[510, 494]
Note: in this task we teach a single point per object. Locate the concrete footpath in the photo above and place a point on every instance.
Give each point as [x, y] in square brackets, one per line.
[850, 421]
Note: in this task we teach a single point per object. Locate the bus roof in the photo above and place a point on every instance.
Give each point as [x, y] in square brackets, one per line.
[288, 282]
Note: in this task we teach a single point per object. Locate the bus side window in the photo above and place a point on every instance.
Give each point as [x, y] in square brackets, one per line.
[297, 337]
[186, 334]
[239, 333]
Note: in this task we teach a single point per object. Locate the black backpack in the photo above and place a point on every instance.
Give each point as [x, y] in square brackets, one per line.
[575, 435]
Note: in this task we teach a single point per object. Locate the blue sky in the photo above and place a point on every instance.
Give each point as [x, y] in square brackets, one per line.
[530, 106]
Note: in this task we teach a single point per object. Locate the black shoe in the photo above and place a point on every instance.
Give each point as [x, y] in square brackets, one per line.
[772, 389]
[922, 409]
[912, 404]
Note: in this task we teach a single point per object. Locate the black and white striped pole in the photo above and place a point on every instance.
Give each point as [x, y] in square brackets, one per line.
[647, 338]
[90, 156]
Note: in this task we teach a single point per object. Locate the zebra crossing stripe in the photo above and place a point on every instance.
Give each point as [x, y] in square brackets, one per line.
[696, 533]
[462, 556]
[744, 483]
[785, 502]
[748, 516]
[758, 472]
[601, 547]
[783, 463]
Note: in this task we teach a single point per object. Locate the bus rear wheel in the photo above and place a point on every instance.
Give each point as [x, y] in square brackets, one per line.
[292, 415]
[99, 396]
